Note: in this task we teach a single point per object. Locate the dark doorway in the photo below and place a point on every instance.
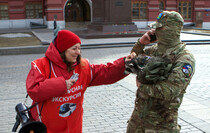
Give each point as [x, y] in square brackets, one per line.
[77, 11]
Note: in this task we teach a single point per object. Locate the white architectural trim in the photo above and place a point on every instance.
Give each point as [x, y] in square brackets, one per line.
[202, 9]
[206, 25]
[54, 9]
[50, 24]
[141, 24]
[153, 8]
[171, 8]
[19, 23]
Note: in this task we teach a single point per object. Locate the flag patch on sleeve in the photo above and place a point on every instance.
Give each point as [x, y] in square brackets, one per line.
[187, 70]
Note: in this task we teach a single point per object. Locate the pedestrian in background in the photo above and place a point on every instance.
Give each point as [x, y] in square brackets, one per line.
[58, 81]
[54, 24]
[157, 104]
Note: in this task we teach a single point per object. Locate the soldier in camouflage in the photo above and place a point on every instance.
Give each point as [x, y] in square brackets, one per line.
[156, 105]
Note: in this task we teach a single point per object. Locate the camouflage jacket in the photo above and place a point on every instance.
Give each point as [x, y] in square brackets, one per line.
[158, 103]
[178, 81]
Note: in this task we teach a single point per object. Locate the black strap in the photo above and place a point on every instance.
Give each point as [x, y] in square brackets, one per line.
[50, 70]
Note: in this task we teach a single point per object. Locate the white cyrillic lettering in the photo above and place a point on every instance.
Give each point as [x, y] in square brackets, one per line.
[75, 89]
[67, 98]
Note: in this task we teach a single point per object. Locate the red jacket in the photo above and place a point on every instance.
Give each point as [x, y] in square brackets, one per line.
[62, 110]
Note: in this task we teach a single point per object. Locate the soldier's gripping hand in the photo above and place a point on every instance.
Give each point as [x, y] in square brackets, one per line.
[146, 38]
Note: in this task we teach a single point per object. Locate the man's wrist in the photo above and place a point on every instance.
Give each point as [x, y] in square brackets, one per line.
[139, 42]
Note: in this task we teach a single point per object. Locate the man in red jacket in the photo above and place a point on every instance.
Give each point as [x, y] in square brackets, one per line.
[59, 96]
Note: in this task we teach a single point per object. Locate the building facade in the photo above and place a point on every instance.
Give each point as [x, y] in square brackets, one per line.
[20, 13]
[193, 11]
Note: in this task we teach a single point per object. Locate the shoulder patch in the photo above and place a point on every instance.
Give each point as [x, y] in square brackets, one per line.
[187, 70]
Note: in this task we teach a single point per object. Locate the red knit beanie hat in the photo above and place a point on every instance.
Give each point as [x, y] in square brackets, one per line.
[66, 39]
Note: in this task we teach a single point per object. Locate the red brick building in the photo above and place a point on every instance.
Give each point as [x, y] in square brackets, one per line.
[20, 13]
[193, 11]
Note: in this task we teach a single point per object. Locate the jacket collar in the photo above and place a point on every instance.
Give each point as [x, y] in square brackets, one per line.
[53, 55]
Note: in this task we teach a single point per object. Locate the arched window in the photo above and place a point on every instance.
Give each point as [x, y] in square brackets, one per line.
[77, 10]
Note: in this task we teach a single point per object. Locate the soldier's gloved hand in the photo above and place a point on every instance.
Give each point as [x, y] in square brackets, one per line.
[145, 39]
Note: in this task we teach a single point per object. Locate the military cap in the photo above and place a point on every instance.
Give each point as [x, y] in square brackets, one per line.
[168, 18]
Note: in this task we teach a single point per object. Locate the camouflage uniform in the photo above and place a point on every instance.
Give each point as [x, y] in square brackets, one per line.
[156, 105]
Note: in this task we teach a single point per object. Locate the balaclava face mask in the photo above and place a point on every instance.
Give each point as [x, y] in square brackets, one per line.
[168, 28]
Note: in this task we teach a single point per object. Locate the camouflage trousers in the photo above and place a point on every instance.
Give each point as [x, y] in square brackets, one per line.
[146, 118]
[134, 126]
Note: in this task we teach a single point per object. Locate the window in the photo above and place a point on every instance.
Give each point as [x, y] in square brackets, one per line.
[161, 5]
[139, 10]
[4, 11]
[33, 10]
[185, 9]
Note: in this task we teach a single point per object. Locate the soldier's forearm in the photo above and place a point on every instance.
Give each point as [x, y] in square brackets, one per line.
[138, 48]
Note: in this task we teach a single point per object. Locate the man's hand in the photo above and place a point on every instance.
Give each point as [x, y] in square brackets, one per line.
[131, 56]
[145, 39]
